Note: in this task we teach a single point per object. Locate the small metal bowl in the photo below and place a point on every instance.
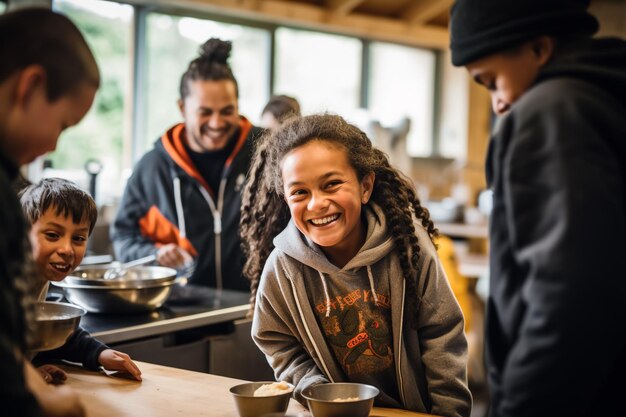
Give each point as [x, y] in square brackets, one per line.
[250, 406]
[54, 323]
[329, 400]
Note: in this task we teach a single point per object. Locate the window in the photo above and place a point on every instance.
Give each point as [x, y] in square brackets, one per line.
[172, 42]
[402, 84]
[453, 111]
[100, 135]
[322, 71]
[3, 6]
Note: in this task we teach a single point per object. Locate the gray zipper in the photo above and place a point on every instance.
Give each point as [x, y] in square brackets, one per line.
[216, 211]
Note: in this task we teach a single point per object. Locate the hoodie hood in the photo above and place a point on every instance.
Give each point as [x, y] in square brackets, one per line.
[601, 62]
[173, 143]
[377, 244]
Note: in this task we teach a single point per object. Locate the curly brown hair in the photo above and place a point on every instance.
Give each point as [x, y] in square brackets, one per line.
[264, 212]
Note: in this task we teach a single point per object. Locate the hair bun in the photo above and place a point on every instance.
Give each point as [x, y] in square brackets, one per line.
[216, 50]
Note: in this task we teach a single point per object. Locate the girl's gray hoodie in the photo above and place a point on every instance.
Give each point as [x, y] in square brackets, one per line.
[430, 362]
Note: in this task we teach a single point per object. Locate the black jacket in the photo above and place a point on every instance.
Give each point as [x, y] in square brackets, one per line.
[556, 339]
[148, 215]
[80, 347]
[15, 398]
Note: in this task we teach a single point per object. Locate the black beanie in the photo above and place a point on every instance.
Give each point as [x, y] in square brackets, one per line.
[481, 27]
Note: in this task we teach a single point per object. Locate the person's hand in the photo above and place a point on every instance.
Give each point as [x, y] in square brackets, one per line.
[54, 401]
[117, 361]
[52, 374]
[173, 256]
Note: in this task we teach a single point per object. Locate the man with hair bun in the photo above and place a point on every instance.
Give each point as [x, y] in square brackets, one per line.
[556, 339]
[183, 200]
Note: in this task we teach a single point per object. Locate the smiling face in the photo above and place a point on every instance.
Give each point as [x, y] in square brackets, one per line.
[211, 114]
[508, 75]
[59, 244]
[325, 198]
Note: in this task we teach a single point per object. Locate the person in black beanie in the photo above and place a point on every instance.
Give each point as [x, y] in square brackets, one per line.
[556, 340]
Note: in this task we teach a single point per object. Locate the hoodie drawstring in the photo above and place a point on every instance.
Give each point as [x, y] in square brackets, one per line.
[178, 202]
[371, 278]
[326, 295]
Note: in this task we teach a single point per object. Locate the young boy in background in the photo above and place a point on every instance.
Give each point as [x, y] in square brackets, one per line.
[62, 216]
[556, 343]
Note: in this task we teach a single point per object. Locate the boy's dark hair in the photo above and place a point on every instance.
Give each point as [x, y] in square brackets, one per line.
[264, 212]
[282, 107]
[39, 36]
[66, 197]
[212, 64]
[479, 28]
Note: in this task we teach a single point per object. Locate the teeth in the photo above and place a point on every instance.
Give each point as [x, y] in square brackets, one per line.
[61, 267]
[324, 220]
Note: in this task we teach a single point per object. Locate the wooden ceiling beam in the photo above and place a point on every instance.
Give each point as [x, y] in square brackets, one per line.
[422, 11]
[342, 7]
[317, 18]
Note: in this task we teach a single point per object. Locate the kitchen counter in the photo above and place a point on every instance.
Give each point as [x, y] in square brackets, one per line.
[168, 392]
[198, 329]
[187, 307]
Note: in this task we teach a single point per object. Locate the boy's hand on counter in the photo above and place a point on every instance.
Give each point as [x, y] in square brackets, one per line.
[52, 374]
[117, 361]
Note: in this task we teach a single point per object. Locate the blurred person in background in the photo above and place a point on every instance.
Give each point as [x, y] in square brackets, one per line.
[278, 109]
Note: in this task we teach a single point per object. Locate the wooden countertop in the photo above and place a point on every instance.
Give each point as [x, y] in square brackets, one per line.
[168, 392]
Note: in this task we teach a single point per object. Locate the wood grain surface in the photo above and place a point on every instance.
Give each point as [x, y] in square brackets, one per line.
[170, 392]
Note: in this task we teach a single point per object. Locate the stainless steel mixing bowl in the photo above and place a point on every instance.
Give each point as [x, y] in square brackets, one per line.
[54, 323]
[134, 276]
[141, 289]
[116, 300]
[340, 399]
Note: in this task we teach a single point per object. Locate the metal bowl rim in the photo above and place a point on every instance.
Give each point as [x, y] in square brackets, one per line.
[260, 383]
[168, 274]
[70, 280]
[81, 311]
[309, 398]
[138, 286]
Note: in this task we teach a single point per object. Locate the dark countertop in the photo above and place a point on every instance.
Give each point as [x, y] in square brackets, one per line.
[186, 308]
